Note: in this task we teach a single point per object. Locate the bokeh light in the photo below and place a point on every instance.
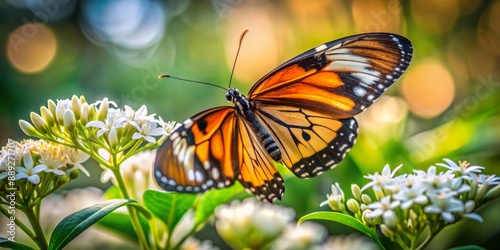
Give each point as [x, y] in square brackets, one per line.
[126, 27]
[428, 87]
[435, 16]
[31, 48]
[376, 16]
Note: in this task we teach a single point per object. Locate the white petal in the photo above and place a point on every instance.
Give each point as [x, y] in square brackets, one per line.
[96, 124]
[35, 179]
[448, 217]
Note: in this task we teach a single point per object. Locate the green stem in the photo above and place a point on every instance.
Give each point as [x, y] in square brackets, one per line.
[134, 215]
[35, 224]
[18, 223]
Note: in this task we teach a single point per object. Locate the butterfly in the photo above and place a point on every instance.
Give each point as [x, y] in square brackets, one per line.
[300, 115]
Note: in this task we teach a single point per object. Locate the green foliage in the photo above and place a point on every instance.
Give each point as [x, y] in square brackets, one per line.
[74, 224]
[345, 220]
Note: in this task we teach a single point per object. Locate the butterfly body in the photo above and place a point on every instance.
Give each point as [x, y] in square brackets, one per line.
[300, 115]
[244, 110]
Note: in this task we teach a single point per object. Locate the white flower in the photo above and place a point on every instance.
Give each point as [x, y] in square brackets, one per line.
[432, 181]
[463, 169]
[136, 172]
[251, 224]
[385, 208]
[409, 196]
[28, 171]
[76, 157]
[469, 207]
[111, 122]
[445, 204]
[380, 181]
[147, 130]
[52, 157]
[304, 236]
[336, 199]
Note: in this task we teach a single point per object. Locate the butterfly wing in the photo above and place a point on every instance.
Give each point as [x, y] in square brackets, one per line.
[258, 173]
[308, 103]
[339, 78]
[310, 142]
[212, 150]
[198, 155]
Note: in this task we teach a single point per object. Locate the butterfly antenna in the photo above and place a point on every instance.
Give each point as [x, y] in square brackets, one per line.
[237, 53]
[187, 80]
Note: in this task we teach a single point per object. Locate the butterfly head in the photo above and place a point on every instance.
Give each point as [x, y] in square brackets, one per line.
[232, 95]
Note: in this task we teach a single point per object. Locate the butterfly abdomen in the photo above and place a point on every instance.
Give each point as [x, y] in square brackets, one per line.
[243, 109]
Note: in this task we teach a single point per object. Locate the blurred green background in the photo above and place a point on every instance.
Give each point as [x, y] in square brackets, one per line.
[445, 105]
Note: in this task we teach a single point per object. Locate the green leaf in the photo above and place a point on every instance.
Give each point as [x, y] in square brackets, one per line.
[5, 243]
[77, 222]
[169, 207]
[213, 198]
[120, 224]
[346, 220]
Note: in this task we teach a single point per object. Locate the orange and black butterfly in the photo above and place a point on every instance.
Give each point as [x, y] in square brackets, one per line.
[300, 115]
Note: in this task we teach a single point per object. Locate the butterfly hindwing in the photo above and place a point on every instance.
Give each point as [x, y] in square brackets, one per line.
[310, 142]
[340, 78]
[258, 174]
[199, 154]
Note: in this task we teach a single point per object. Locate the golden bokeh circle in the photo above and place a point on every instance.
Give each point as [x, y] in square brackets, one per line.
[31, 48]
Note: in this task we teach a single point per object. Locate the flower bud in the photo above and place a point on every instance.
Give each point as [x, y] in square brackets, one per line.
[386, 231]
[390, 218]
[27, 128]
[92, 113]
[493, 193]
[103, 110]
[73, 174]
[51, 105]
[363, 206]
[69, 120]
[39, 123]
[84, 116]
[353, 205]
[481, 192]
[409, 225]
[47, 116]
[356, 191]
[112, 137]
[76, 106]
[368, 221]
[366, 199]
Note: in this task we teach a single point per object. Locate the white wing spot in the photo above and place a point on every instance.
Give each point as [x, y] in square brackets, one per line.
[164, 179]
[215, 173]
[188, 123]
[320, 48]
[359, 91]
[171, 183]
[370, 98]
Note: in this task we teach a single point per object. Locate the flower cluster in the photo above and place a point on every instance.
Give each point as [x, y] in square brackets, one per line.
[255, 225]
[406, 205]
[87, 126]
[35, 169]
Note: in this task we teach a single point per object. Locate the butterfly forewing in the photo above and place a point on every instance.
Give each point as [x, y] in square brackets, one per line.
[340, 78]
[199, 154]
